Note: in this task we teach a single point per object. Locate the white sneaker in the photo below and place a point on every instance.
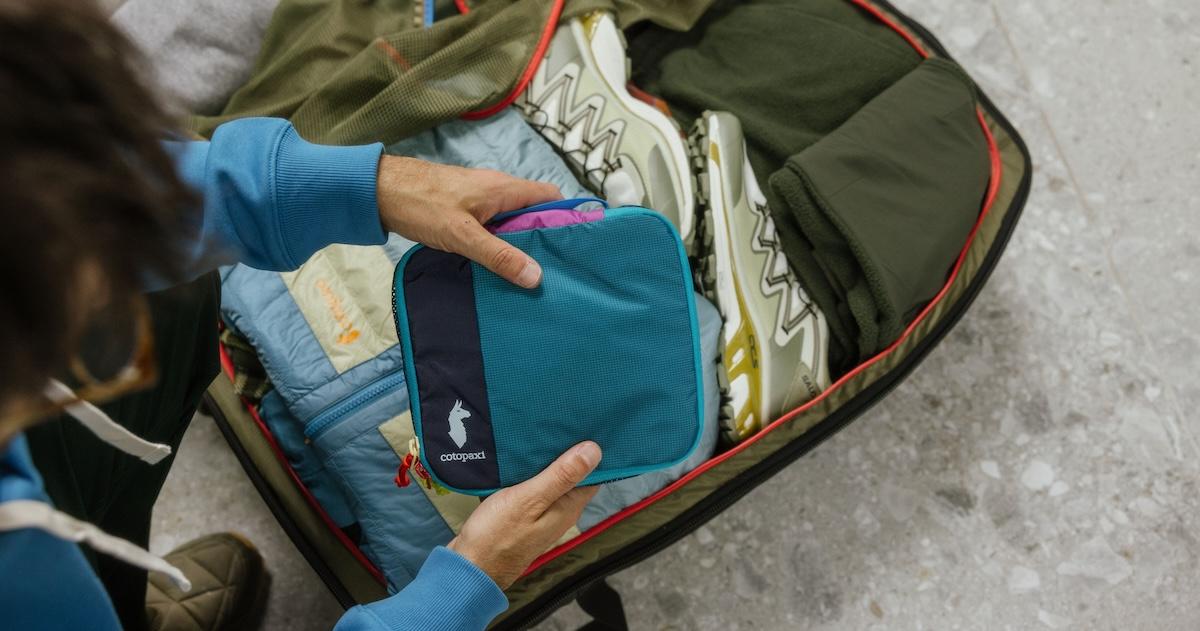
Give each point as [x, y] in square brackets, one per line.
[626, 150]
[776, 341]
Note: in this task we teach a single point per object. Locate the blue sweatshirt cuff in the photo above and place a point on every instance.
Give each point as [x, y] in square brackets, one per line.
[325, 194]
[448, 593]
[272, 199]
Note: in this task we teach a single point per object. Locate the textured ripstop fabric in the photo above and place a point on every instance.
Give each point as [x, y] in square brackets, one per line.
[348, 71]
[603, 350]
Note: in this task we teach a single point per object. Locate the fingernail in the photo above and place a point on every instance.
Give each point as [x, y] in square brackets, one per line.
[590, 452]
[530, 275]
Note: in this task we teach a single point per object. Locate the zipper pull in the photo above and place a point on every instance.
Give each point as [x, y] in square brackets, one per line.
[411, 459]
[427, 480]
[412, 464]
[402, 480]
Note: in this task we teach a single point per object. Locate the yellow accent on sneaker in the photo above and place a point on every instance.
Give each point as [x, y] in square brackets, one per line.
[745, 383]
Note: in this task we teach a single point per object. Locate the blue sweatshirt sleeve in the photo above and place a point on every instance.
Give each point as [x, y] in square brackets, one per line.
[272, 199]
[449, 593]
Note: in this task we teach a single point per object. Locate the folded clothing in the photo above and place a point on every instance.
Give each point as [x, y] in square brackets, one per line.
[792, 72]
[289, 435]
[873, 215]
[871, 158]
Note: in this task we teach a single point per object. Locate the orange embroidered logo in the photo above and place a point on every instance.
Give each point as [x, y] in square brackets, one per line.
[348, 332]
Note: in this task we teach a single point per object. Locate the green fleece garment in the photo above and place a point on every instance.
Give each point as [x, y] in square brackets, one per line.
[872, 160]
[792, 72]
[873, 216]
[353, 72]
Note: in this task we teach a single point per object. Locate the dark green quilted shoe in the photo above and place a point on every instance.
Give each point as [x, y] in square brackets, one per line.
[229, 587]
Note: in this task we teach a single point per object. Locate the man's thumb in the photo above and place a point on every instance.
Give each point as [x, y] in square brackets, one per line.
[565, 473]
[503, 258]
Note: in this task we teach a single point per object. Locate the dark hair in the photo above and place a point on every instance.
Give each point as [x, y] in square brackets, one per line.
[87, 184]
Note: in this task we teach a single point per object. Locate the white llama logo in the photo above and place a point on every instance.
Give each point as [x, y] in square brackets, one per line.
[458, 431]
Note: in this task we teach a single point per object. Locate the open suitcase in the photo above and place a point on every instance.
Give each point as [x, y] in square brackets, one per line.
[576, 568]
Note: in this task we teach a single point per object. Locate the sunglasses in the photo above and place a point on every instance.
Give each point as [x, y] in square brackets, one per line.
[116, 358]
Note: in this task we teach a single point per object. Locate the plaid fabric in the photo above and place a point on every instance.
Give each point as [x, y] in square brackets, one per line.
[250, 380]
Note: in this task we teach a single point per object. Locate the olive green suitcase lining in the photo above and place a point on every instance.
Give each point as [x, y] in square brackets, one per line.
[350, 581]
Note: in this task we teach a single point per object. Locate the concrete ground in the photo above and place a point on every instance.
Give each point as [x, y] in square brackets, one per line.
[1040, 469]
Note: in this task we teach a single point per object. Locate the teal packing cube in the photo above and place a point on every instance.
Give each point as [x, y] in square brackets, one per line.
[502, 379]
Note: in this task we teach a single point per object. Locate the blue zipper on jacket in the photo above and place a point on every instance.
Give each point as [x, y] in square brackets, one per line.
[329, 417]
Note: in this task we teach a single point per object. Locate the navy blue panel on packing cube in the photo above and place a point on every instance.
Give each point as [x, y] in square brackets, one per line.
[451, 409]
[604, 349]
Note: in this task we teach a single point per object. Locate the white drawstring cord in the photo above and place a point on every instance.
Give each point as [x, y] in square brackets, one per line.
[104, 427]
[17, 514]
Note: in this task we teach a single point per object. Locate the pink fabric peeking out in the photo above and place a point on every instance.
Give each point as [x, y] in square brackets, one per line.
[547, 219]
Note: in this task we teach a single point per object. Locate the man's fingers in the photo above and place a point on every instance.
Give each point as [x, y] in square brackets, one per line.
[567, 509]
[563, 475]
[499, 256]
[499, 192]
[529, 193]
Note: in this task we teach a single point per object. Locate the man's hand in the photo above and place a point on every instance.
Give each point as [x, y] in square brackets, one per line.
[445, 207]
[512, 527]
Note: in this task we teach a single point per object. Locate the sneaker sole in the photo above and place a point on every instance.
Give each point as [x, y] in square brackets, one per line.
[739, 382]
[756, 385]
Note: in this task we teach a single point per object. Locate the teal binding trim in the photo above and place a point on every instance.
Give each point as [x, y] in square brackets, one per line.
[400, 313]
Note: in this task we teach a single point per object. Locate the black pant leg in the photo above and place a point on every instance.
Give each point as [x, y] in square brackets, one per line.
[92, 481]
